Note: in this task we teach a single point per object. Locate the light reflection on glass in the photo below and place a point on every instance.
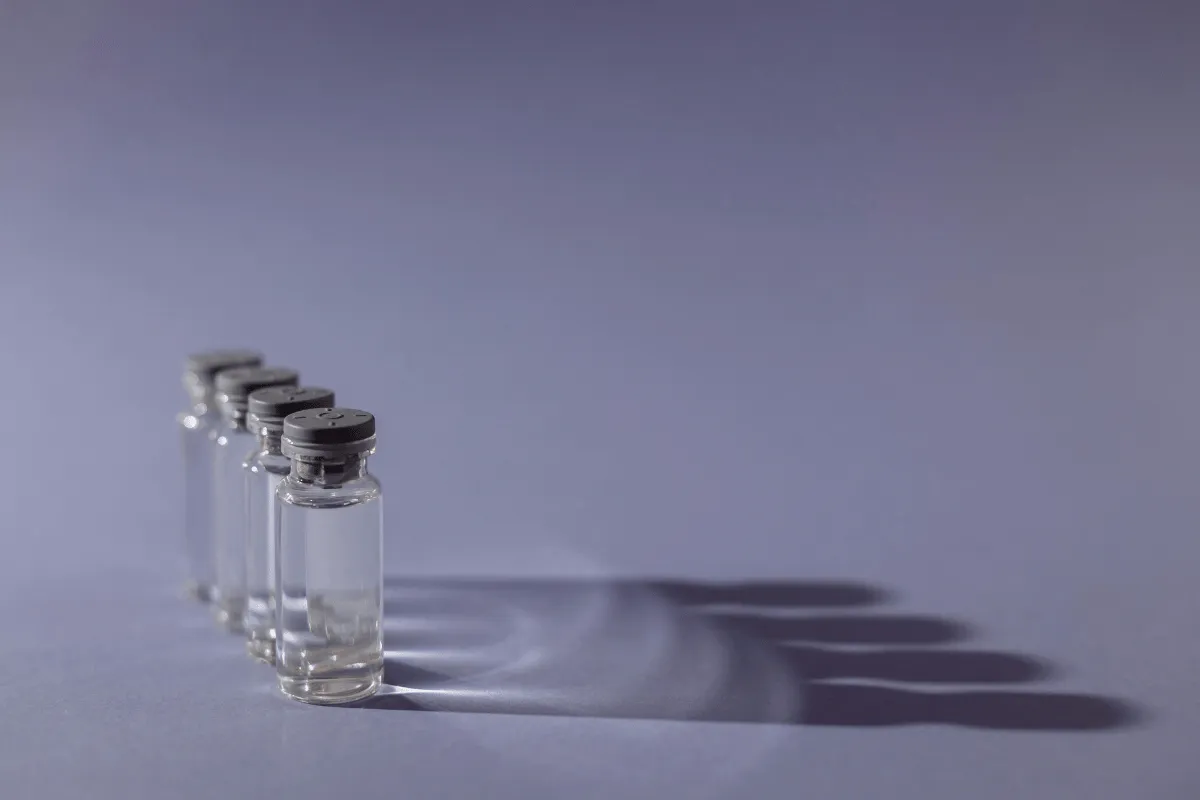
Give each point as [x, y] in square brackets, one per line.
[575, 648]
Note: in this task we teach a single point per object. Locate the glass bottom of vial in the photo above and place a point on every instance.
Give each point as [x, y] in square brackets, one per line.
[229, 615]
[200, 592]
[261, 649]
[331, 691]
[259, 624]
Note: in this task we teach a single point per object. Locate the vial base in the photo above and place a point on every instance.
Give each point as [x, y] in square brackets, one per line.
[332, 691]
[199, 592]
[229, 613]
[261, 649]
[259, 624]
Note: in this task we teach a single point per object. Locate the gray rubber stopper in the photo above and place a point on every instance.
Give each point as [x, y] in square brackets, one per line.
[206, 365]
[329, 426]
[236, 383]
[279, 401]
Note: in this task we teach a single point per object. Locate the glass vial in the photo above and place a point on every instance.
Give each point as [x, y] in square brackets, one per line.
[233, 444]
[263, 472]
[194, 425]
[329, 559]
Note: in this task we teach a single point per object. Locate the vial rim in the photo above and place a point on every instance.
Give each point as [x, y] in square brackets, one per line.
[292, 448]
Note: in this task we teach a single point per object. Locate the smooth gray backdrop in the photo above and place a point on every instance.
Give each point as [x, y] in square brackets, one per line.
[902, 294]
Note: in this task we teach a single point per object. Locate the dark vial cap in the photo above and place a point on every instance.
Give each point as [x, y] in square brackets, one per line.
[235, 384]
[206, 365]
[279, 401]
[325, 427]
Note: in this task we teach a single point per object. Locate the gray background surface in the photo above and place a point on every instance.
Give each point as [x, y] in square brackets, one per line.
[720, 292]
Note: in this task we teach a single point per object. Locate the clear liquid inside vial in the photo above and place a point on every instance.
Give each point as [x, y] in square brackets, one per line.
[329, 646]
[199, 549]
[263, 476]
[232, 448]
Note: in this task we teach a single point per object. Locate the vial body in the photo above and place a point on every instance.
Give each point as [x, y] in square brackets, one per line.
[198, 546]
[329, 566]
[232, 446]
[195, 426]
[263, 474]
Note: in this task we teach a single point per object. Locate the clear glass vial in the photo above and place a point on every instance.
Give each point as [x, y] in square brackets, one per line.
[264, 470]
[195, 423]
[232, 445]
[329, 559]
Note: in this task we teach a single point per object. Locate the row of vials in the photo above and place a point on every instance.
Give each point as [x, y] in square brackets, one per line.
[284, 523]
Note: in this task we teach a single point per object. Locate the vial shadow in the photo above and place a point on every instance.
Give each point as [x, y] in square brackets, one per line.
[819, 653]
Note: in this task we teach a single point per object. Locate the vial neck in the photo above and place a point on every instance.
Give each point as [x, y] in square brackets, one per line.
[270, 440]
[234, 417]
[326, 471]
[202, 397]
